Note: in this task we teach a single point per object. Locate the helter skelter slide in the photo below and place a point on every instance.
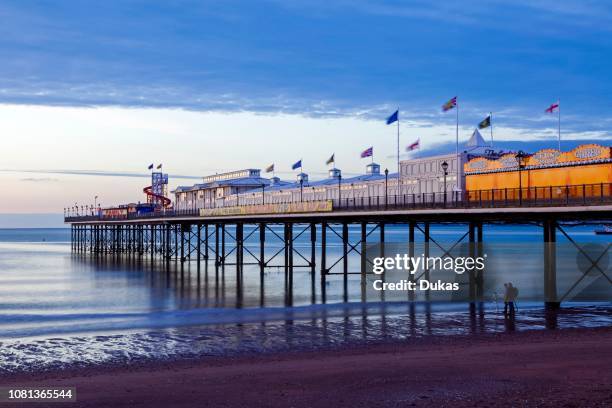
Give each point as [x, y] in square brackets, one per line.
[156, 192]
[155, 198]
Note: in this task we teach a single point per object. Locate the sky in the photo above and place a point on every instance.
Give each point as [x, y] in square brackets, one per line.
[93, 92]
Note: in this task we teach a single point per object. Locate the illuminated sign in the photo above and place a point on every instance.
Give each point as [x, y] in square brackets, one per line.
[588, 152]
[508, 160]
[543, 158]
[114, 212]
[546, 156]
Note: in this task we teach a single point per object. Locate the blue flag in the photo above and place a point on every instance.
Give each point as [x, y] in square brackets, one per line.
[150, 166]
[393, 118]
[297, 165]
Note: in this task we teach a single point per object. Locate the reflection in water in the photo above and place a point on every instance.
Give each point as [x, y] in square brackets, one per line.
[61, 309]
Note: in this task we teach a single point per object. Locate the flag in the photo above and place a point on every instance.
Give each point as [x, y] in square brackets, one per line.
[159, 166]
[552, 107]
[270, 168]
[331, 160]
[297, 165]
[393, 118]
[486, 122]
[450, 104]
[150, 166]
[367, 152]
[413, 146]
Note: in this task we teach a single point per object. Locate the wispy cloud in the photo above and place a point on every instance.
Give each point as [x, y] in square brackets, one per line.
[39, 179]
[97, 173]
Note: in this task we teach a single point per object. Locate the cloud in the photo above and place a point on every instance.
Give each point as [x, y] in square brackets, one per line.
[40, 179]
[97, 173]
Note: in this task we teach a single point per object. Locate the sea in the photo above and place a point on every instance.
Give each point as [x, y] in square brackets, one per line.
[60, 309]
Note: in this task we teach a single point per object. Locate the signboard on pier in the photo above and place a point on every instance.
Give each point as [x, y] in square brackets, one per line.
[583, 154]
[289, 208]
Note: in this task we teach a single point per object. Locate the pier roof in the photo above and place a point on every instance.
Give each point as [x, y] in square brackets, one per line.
[254, 182]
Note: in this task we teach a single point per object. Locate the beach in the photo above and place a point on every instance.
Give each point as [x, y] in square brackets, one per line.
[568, 367]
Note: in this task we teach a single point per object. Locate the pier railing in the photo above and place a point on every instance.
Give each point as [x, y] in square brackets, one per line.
[550, 196]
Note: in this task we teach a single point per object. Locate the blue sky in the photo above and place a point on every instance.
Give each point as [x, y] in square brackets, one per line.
[342, 63]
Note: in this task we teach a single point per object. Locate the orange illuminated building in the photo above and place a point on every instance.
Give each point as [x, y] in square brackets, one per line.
[585, 171]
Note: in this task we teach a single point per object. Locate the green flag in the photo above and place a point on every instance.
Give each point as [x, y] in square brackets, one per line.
[486, 122]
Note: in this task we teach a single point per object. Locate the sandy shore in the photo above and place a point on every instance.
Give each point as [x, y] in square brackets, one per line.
[568, 368]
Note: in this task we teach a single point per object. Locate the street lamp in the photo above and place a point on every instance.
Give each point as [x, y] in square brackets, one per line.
[263, 192]
[386, 186]
[301, 188]
[339, 188]
[445, 169]
[96, 201]
[519, 157]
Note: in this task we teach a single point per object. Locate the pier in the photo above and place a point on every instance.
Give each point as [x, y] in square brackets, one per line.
[218, 235]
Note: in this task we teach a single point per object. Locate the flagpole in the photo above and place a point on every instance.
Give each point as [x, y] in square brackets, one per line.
[491, 125]
[398, 141]
[559, 103]
[457, 140]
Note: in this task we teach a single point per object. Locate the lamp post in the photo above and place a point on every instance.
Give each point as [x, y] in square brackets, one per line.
[445, 170]
[519, 157]
[96, 201]
[263, 192]
[386, 186]
[301, 189]
[339, 188]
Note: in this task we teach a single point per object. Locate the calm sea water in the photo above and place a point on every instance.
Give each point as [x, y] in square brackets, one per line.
[61, 309]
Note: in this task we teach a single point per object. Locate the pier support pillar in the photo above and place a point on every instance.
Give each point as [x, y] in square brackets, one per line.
[199, 244]
[426, 243]
[313, 242]
[183, 227]
[239, 252]
[206, 242]
[471, 275]
[364, 237]
[345, 241]
[479, 253]
[217, 257]
[411, 273]
[323, 259]
[222, 257]
[262, 253]
[550, 265]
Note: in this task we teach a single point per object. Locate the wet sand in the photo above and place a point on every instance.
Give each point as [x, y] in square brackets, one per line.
[562, 368]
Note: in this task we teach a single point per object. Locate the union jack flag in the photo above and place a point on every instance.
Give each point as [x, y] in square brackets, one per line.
[367, 152]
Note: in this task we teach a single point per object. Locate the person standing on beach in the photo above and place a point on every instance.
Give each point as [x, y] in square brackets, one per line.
[509, 298]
